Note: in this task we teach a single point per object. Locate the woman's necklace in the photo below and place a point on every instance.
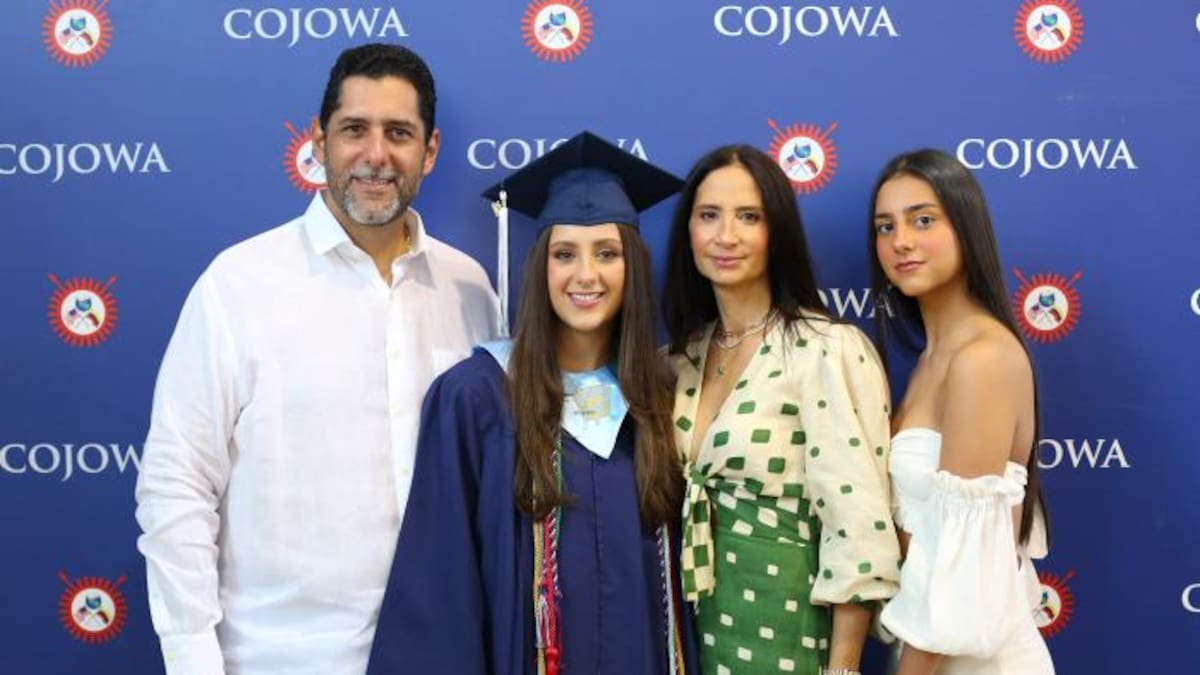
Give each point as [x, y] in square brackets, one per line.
[727, 341]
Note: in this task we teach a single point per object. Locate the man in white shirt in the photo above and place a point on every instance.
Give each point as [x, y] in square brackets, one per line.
[282, 439]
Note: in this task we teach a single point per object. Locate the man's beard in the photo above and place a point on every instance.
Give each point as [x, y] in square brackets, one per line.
[375, 216]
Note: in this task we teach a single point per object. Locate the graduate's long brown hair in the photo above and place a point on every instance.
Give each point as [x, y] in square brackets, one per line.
[535, 382]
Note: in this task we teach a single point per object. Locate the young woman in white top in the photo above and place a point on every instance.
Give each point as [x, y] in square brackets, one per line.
[967, 500]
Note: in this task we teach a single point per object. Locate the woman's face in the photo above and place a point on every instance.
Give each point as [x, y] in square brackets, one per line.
[728, 229]
[585, 275]
[914, 240]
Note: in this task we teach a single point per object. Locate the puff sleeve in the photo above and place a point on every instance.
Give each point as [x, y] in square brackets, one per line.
[846, 423]
[961, 577]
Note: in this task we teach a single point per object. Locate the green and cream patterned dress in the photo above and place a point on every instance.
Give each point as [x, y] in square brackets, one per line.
[788, 504]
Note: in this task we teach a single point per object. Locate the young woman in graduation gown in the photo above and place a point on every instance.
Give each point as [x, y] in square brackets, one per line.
[963, 464]
[538, 536]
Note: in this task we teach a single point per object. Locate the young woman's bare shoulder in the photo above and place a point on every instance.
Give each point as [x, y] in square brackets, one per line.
[989, 361]
[988, 389]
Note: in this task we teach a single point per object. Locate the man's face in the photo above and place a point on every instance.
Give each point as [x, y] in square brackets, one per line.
[374, 150]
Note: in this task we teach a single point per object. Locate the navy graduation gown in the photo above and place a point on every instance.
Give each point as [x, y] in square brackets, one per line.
[460, 595]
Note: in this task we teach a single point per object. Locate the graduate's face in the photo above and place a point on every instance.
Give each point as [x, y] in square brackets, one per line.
[914, 240]
[728, 229]
[585, 272]
[374, 150]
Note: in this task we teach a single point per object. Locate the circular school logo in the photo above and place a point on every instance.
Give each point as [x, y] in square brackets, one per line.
[1046, 305]
[304, 172]
[806, 154]
[82, 311]
[556, 31]
[77, 32]
[1048, 31]
[1057, 604]
[92, 609]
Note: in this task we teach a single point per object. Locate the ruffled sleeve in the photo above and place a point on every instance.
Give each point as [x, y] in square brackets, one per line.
[846, 423]
[960, 585]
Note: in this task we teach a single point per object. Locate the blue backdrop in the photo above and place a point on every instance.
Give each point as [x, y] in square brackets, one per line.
[138, 139]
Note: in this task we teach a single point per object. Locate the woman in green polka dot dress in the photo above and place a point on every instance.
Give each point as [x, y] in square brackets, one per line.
[782, 419]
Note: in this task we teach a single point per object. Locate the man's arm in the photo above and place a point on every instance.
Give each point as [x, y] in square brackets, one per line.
[184, 470]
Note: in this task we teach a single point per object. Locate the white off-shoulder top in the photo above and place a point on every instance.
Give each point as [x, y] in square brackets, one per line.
[965, 586]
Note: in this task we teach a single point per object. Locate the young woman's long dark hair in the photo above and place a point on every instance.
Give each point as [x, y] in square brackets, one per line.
[535, 382]
[688, 299]
[899, 317]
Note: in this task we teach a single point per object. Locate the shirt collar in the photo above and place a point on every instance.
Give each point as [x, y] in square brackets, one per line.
[325, 233]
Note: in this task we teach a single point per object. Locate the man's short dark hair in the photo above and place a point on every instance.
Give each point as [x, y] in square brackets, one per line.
[377, 61]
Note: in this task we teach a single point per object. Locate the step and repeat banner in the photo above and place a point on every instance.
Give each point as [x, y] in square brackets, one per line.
[138, 139]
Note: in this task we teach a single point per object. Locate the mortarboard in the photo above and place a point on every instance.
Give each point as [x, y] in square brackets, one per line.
[584, 181]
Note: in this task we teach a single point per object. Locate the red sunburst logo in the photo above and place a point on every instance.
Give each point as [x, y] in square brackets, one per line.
[1057, 604]
[1048, 31]
[82, 311]
[303, 170]
[556, 30]
[92, 609]
[1046, 305]
[77, 32]
[806, 154]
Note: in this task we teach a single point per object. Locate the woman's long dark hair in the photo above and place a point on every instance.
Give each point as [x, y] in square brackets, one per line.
[535, 382]
[899, 317]
[688, 299]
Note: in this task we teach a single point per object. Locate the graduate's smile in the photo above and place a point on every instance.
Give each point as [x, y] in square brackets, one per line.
[585, 300]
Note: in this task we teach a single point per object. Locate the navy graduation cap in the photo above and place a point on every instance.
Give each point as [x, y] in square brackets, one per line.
[584, 181]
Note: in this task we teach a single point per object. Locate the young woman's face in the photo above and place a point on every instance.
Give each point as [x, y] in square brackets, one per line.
[585, 273]
[914, 240]
[728, 229]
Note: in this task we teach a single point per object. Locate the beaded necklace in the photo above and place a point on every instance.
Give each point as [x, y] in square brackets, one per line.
[547, 592]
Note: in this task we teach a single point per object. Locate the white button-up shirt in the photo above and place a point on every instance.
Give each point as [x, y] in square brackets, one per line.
[282, 441]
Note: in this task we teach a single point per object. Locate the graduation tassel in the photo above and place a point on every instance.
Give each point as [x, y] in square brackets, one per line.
[500, 208]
